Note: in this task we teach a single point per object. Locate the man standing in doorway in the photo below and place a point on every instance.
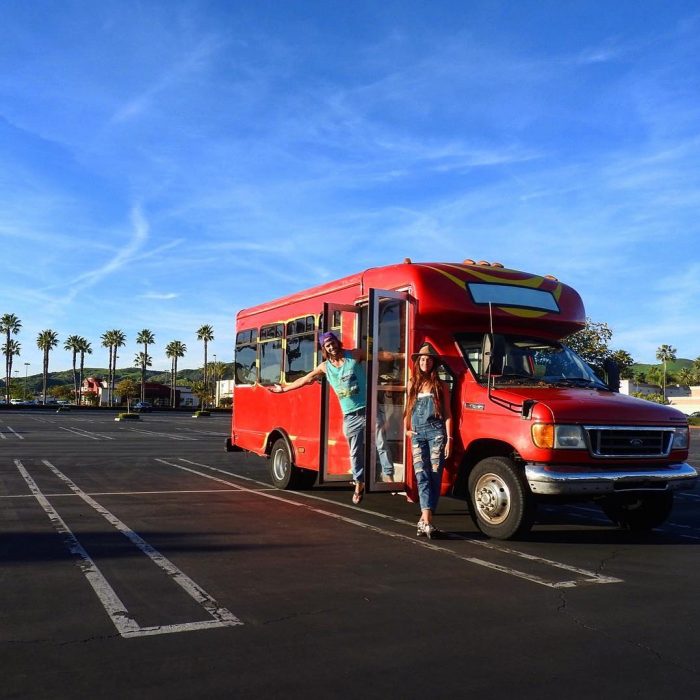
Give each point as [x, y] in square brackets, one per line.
[345, 372]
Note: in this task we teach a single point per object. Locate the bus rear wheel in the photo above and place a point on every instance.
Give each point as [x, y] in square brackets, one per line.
[284, 473]
[501, 505]
[638, 512]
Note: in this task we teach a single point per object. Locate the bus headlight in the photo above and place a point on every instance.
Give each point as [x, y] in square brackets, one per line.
[681, 438]
[558, 437]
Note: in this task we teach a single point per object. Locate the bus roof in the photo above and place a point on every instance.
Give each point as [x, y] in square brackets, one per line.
[457, 293]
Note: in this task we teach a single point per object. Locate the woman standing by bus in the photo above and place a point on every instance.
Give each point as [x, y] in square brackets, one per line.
[429, 424]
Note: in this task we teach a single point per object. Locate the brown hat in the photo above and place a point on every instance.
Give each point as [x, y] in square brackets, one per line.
[429, 350]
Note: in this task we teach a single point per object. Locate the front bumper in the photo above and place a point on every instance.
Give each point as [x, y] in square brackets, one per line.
[573, 481]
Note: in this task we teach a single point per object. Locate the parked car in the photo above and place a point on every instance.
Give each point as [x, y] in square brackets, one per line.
[143, 407]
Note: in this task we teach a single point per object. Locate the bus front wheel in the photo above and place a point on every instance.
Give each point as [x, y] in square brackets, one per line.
[501, 505]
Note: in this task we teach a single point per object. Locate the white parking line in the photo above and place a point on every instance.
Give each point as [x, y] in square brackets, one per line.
[588, 577]
[167, 435]
[16, 434]
[115, 608]
[86, 433]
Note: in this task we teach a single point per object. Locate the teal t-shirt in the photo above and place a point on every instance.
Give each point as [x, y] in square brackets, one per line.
[349, 381]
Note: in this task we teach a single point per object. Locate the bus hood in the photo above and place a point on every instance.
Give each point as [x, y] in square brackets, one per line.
[593, 406]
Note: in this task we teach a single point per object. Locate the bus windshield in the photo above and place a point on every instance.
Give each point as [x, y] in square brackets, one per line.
[533, 362]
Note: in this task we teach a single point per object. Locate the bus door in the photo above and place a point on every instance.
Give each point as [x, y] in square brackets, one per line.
[387, 342]
[334, 465]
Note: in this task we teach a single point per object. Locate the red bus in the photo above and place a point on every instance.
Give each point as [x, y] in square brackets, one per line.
[533, 421]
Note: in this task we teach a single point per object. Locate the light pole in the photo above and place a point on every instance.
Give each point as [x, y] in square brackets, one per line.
[26, 368]
[111, 396]
[215, 373]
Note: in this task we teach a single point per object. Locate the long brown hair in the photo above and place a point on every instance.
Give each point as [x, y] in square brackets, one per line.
[419, 379]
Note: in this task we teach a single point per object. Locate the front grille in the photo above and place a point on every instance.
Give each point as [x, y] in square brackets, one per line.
[626, 442]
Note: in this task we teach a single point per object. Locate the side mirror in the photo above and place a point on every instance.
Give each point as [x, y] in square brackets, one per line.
[612, 374]
[492, 354]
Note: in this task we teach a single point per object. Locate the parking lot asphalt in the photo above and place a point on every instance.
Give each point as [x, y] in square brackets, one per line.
[140, 560]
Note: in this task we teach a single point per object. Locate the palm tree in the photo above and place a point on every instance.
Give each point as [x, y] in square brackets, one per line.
[205, 334]
[106, 339]
[73, 344]
[119, 342]
[11, 349]
[10, 325]
[202, 391]
[147, 338]
[142, 360]
[686, 376]
[665, 353]
[84, 348]
[46, 340]
[173, 350]
[113, 340]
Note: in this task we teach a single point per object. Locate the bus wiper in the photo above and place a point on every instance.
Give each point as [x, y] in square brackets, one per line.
[575, 381]
[514, 378]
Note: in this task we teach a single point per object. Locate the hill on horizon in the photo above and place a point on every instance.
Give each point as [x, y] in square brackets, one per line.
[34, 381]
[674, 366]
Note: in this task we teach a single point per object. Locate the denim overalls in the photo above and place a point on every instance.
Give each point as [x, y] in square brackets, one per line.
[428, 447]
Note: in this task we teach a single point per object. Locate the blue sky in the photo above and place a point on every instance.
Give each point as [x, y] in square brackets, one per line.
[164, 164]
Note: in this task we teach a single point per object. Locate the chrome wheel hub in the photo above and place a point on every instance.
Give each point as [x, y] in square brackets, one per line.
[492, 498]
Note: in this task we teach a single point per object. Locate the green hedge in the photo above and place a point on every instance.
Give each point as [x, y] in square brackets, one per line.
[128, 416]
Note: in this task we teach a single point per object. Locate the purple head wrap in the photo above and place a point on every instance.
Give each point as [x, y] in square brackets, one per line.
[327, 336]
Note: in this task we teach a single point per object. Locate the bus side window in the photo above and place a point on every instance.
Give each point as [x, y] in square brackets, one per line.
[245, 371]
[301, 346]
[270, 353]
[445, 374]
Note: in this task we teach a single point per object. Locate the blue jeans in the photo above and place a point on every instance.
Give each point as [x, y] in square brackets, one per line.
[380, 442]
[428, 448]
[354, 431]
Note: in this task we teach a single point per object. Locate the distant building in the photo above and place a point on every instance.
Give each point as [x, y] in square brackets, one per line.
[686, 399]
[689, 402]
[223, 390]
[157, 394]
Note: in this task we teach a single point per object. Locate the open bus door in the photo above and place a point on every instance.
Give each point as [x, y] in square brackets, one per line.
[381, 326]
[334, 454]
[387, 364]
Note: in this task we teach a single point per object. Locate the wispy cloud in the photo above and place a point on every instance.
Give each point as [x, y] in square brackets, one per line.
[139, 235]
[163, 296]
[184, 69]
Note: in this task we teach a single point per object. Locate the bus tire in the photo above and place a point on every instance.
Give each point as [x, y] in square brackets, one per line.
[501, 505]
[282, 469]
[638, 513]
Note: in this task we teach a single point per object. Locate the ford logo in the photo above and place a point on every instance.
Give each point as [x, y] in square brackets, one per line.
[636, 442]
